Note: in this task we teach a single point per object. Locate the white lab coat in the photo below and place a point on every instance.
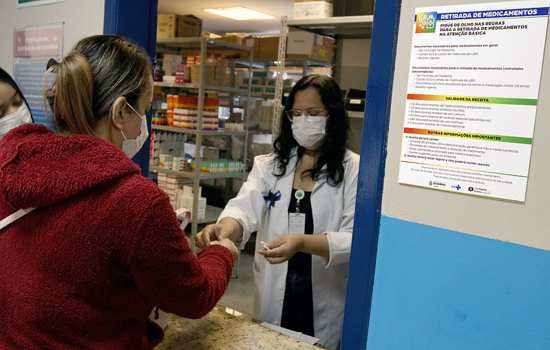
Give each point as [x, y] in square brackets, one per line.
[333, 214]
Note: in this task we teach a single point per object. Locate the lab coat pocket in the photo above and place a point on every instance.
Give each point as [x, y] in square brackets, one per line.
[259, 265]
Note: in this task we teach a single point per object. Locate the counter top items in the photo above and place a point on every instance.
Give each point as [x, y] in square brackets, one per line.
[221, 330]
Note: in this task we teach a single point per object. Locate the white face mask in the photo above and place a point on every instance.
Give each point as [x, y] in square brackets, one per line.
[132, 146]
[309, 131]
[10, 121]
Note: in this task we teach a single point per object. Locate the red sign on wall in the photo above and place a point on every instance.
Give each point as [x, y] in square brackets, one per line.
[38, 42]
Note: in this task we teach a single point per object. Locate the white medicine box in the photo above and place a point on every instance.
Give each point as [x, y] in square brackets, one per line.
[312, 9]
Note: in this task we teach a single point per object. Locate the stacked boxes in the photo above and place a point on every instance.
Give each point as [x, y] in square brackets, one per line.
[185, 107]
[167, 26]
[216, 68]
[180, 194]
[183, 74]
[267, 48]
[172, 26]
[187, 115]
[306, 45]
[170, 185]
[184, 199]
[210, 70]
[186, 69]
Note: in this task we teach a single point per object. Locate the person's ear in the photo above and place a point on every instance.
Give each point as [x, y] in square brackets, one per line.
[118, 113]
[17, 100]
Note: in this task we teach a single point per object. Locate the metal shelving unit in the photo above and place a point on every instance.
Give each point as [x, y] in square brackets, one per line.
[198, 43]
[195, 131]
[180, 46]
[202, 176]
[263, 64]
[304, 64]
[227, 89]
[345, 27]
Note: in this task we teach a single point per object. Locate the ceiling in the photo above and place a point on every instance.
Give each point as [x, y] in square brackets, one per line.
[218, 24]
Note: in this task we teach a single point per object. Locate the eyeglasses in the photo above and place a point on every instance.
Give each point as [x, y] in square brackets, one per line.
[313, 112]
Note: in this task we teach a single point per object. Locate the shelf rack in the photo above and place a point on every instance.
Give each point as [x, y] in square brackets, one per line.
[202, 176]
[179, 45]
[195, 131]
[344, 27]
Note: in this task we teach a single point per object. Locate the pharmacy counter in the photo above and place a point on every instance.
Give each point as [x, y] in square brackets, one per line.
[222, 330]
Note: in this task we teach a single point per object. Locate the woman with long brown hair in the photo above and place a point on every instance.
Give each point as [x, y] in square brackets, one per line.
[88, 246]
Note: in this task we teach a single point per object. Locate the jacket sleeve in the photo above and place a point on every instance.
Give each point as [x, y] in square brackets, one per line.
[169, 274]
[249, 204]
[340, 242]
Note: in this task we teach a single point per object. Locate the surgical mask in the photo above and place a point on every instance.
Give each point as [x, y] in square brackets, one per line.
[132, 146]
[10, 121]
[309, 131]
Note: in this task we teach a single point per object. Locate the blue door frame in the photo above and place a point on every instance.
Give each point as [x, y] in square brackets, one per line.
[135, 20]
[371, 175]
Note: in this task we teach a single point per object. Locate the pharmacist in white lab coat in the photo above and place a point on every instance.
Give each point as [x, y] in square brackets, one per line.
[301, 201]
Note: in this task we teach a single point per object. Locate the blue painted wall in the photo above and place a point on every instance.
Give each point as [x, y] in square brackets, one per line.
[439, 289]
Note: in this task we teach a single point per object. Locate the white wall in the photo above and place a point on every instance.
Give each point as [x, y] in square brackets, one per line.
[81, 17]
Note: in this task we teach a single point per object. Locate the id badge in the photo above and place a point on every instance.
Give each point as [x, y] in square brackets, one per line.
[296, 223]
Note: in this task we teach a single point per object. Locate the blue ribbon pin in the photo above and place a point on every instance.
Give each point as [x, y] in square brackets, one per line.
[271, 198]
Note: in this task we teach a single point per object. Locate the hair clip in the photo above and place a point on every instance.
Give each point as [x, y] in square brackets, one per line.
[271, 198]
[52, 63]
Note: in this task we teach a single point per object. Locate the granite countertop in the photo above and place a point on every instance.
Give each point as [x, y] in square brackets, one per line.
[220, 330]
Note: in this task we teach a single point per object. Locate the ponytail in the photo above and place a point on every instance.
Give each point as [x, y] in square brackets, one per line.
[88, 81]
[73, 95]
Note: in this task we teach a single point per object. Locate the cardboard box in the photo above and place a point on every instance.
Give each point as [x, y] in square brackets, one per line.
[166, 26]
[267, 48]
[353, 7]
[312, 9]
[189, 26]
[170, 62]
[172, 26]
[306, 45]
[248, 42]
[233, 39]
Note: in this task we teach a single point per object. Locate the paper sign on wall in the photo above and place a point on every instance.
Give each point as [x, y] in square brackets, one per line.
[33, 47]
[472, 97]
[29, 3]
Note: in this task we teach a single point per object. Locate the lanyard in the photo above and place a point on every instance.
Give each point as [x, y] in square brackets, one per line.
[14, 217]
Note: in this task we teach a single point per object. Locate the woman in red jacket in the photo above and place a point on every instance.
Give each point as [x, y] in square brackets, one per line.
[97, 245]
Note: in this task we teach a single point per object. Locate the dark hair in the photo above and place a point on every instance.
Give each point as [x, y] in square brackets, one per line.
[333, 151]
[6, 78]
[92, 76]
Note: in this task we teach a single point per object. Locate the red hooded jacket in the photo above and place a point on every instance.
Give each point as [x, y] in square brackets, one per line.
[84, 270]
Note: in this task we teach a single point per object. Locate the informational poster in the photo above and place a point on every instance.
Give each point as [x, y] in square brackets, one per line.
[29, 3]
[33, 47]
[472, 97]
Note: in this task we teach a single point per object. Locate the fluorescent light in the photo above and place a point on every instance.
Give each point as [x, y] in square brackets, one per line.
[239, 13]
